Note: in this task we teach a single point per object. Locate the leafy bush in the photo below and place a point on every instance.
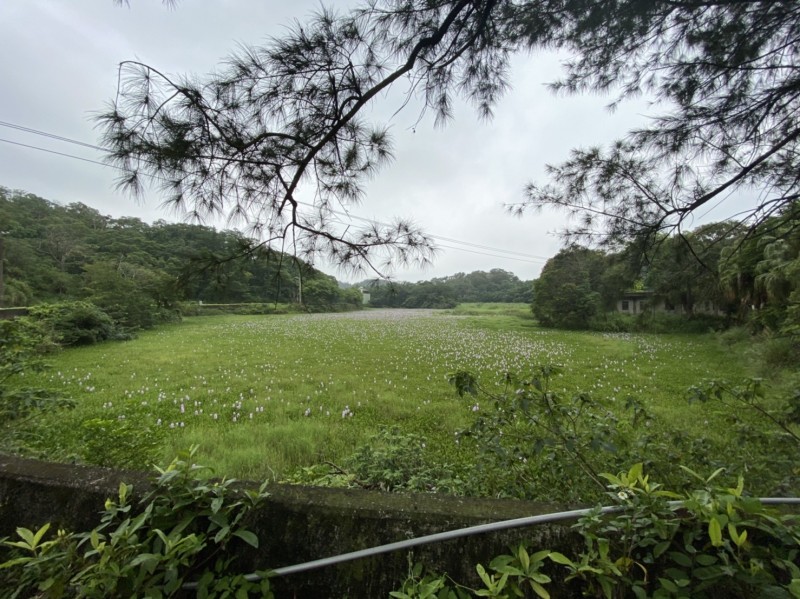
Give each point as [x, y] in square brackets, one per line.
[22, 345]
[75, 323]
[183, 531]
[613, 322]
[659, 322]
[195, 309]
[780, 352]
[714, 542]
[735, 336]
[389, 461]
[532, 441]
[396, 461]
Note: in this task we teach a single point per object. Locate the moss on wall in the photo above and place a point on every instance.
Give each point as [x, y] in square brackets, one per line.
[298, 524]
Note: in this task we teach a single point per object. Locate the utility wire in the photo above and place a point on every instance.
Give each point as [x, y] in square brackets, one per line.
[16, 143]
[529, 258]
[51, 136]
[448, 239]
[528, 261]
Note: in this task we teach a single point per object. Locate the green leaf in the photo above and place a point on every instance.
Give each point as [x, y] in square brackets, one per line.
[680, 558]
[560, 558]
[40, 533]
[715, 532]
[608, 589]
[715, 474]
[46, 584]
[704, 559]
[660, 548]
[248, 537]
[137, 522]
[737, 538]
[635, 472]
[16, 562]
[94, 539]
[222, 533]
[539, 589]
[540, 555]
[484, 576]
[27, 536]
[216, 504]
[614, 480]
[148, 560]
[639, 592]
[524, 558]
[669, 585]
[709, 573]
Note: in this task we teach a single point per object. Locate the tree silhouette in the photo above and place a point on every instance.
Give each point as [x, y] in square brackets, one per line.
[291, 114]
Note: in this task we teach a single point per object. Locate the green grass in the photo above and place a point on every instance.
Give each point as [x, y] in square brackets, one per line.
[263, 395]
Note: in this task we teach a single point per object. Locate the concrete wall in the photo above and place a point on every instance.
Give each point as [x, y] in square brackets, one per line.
[298, 524]
[11, 313]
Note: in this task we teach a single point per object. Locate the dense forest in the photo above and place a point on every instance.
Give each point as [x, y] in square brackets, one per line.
[137, 272]
[737, 274]
[497, 285]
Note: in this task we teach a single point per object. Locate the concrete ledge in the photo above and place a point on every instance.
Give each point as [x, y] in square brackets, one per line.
[11, 313]
[298, 524]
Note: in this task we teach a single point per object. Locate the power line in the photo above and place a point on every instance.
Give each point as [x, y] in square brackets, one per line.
[16, 143]
[467, 243]
[529, 258]
[449, 247]
[441, 245]
[51, 136]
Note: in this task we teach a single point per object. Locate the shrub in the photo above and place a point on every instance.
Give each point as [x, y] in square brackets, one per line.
[389, 461]
[195, 309]
[735, 336]
[613, 322]
[780, 352]
[660, 322]
[22, 345]
[535, 442]
[75, 323]
[716, 542]
[183, 531]
[396, 461]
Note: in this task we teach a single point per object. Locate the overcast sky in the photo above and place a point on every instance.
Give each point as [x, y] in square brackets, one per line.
[60, 66]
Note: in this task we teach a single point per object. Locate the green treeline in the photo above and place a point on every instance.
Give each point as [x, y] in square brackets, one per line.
[138, 273]
[720, 270]
[497, 285]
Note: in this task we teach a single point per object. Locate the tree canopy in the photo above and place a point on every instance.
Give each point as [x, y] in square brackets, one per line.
[134, 270]
[243, 141]
[743, 278]
[497, 285]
